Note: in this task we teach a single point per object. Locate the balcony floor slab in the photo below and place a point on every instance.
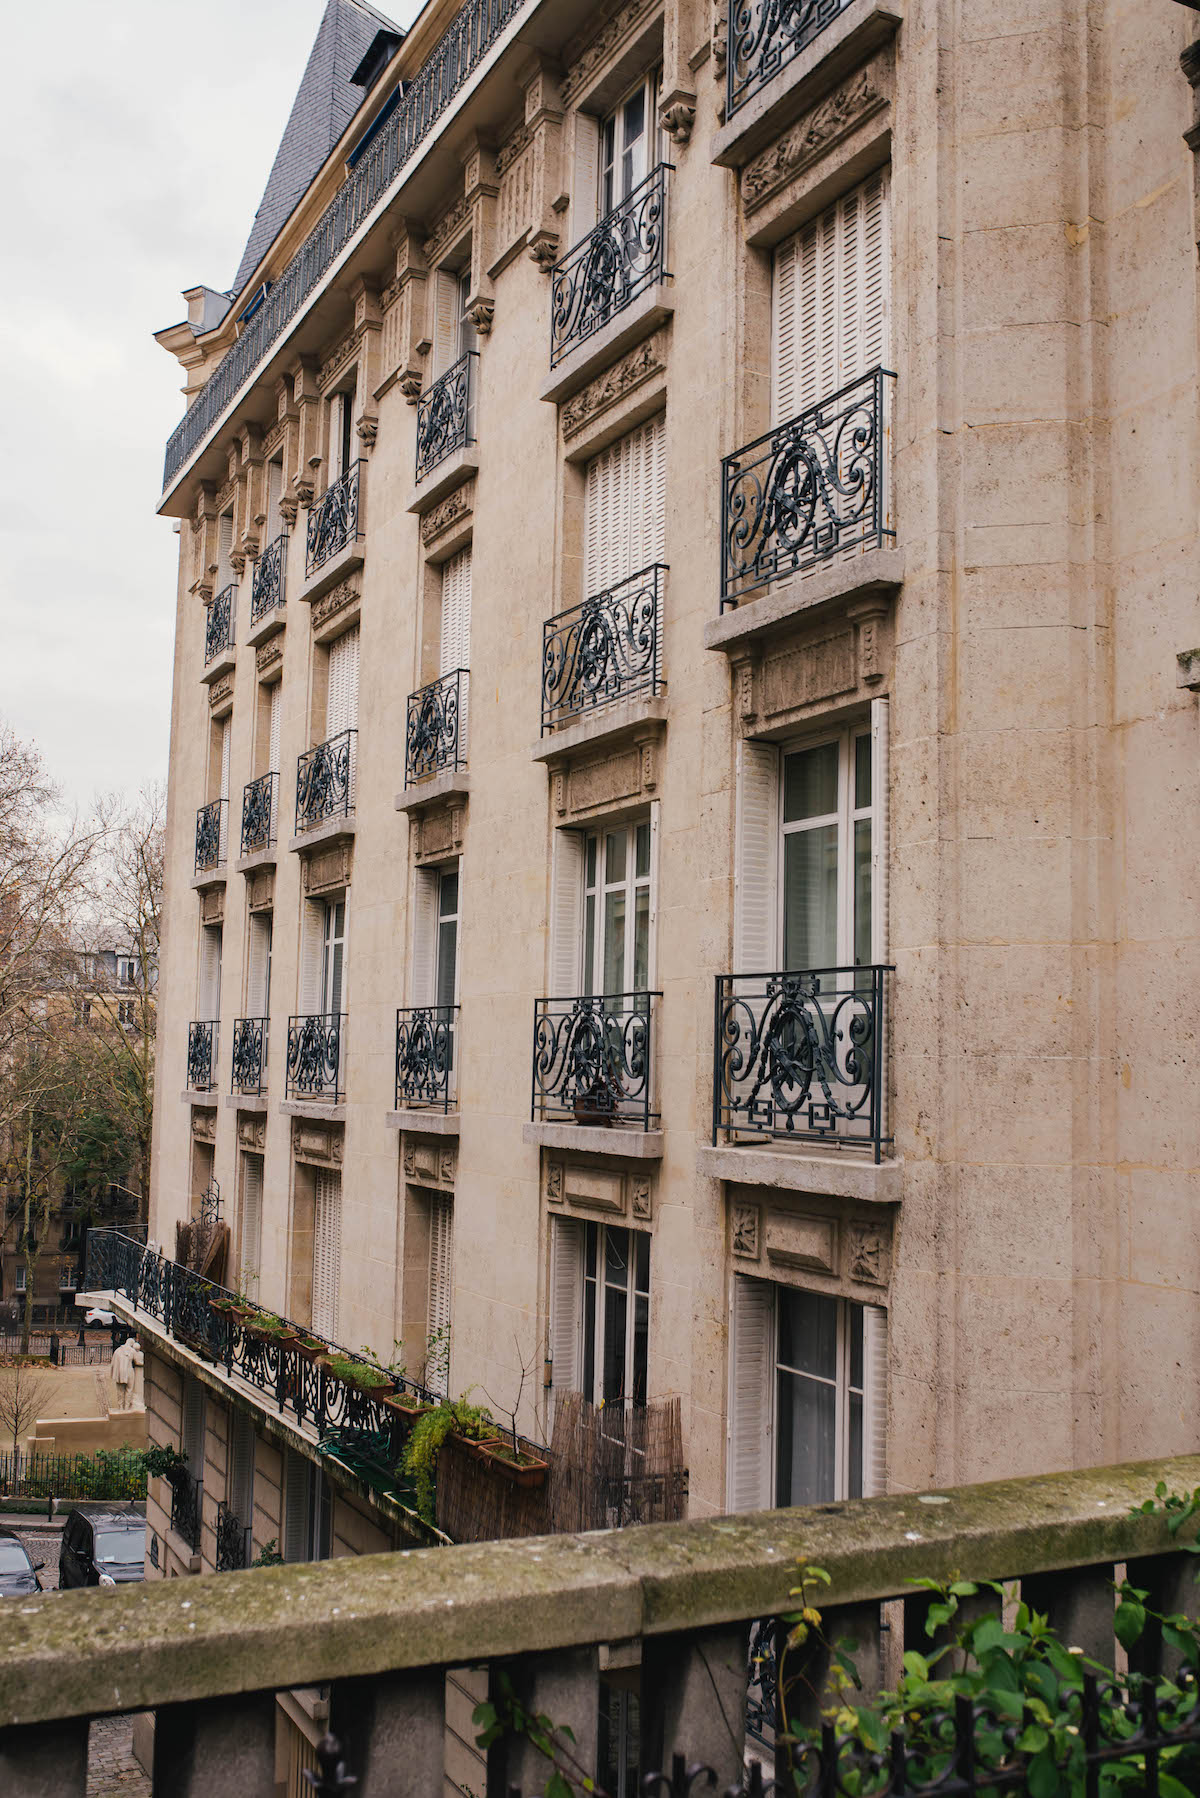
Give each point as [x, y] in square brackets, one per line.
[633, 1145]
[878, 571]
[313, 1108]
[451, 783]
[457, 467]
[795, 1170]
[608, 724]
[333, 830]
[258, 1103]
[641, 317]
[224, 663]
[268, 626]
[423, 1123]
[194, 1096]
[344, 562]
[262, 858]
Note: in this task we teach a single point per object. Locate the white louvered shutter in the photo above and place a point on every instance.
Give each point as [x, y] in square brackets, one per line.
[456, 631]
[256, 980]
[226, 748]
[756, 854]
[566, 1304]
[297, 1486]
[441, 1271]
[445, 321]
[751, 1395]
[424, 938]
[566, 914]
[274, 495]
[327, 1253]
[625, 506]
[831, 300]
[875, 1401]
[210, 973]
[241, 1467]
[585, 176]
[341, 705]
[224, 551]
[312, 957]
[252, 1199]
[276, 715]
[193, 1429]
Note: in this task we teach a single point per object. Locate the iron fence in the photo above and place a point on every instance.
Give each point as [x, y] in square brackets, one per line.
[765, 36]
[333, 520]
[592, 1059]
[202, 1056]
[248, 1056]
[111, 1474]
[620, 258]
[605, 650]
[233, 1540]
[800, 1055]
[314, 1056]
[808, 490]
[325, 781]
[426, 1036]
[436, 734]
[211, 836]
[185, 1506]
[268, 589]
[220, 623]
[260, 812]
[446, 414]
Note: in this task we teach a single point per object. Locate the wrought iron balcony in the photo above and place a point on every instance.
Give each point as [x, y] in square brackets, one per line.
[810, 490]
[185, 1507]
[315, 1056]
[202, 1056]
[325, 781]
[268, 589]
[436, 736]
[446, 414]
[425, 1067]
[219, 627]
[233, 1540]
[260, 813]
[211, 835]
[802, 1056]
[592, 1059]
[619, 258]
[333, 520]
[607, 649]
[248, 1056]
[764, 36]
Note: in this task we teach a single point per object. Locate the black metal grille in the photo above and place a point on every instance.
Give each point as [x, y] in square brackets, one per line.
[619, 258]
[436, 736]
[260, 811]
[210, 836]
[325, 781]
[248, 1056]
[425, 1042]
[592, 1059]
[445, 414]
[185, 1507]
[219, 625]
[202, 1056]
[764, 36]
[269, 587]
[607, 649]
[315, 1056]
[333, 519]
[231, 1540]
[811, 489]
[801, 1056]
[451, 62]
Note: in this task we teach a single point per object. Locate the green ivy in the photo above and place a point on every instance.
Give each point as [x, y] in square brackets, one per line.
[427, 1437]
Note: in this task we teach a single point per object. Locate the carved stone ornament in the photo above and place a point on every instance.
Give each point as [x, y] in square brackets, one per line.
[428, 1161]
[744, 1228]
[204, 1125]
[802, 674]
[337, 359]
[212, 906]
[455, 507]
[512, 147]
[260, 890]
[639, 1195]
[867, 1256]
[438, 832]
[816, 132]
[543, 249]
[338, 599]
[481, 315]
[269, 655]
[318, 1144]
[327, 870]
[554, 1183]
[626, 775]
[448, 1163]
[587, 60]
[677, 121]
[220, 693]
[252, 1132]
[409, 1158]
[447, 228]
[288, 509]
[368, 430]
[411, 386]
[642, 364]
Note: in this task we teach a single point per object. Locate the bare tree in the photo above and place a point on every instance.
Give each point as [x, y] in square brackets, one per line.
[24, 1394]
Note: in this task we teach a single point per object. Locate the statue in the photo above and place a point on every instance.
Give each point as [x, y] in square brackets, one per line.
[126, 1370]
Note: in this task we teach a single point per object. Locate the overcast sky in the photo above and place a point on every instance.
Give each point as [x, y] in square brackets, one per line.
[137, 139]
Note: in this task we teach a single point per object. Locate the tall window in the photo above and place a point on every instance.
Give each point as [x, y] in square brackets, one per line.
[327, 1251]
[341, 699]
[453, 328]
[831, 300]
[629, 143]
[600, 1311]
[441, 1272]
[209, 1007]
[455, 647]
[826, 853]
[616, 910]
[625, 507]
[224, 551]
[258, 965]
[333, 954]
[251, 1246]
[323, 967]
[307, 1510]
[241, 1473]
[341, 434]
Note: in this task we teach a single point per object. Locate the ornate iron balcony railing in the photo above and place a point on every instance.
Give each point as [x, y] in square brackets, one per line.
[436, 736]
[185, 1507]
[451, 63]
[202, 1056]
[260, 813]
[802, 1056]
[333, 519]
[219, 625]
[425, 1065]
[764, 36]
[233, 1540]
[607, 649]
[248, 1056]
[446, 414]
[269, 587]
[592, 1059]
[211, 836]
[315, 1051]
[325, 781]
[811, 489]
[618, 259]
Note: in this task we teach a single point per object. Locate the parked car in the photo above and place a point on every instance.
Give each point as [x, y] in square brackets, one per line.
[102, 1548]
[100, 1317]
[18, 1574]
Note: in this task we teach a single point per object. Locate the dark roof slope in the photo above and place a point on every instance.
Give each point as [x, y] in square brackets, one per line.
[325, 102]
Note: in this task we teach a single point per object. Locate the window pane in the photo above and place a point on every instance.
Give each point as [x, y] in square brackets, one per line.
[616, 1313]
[616, 1257]
[643, 852]
[854, 1331]
[614, 943]
[810, 898]
[589, 943]
[447, 959]
[641, 1348]
[854, 1485]
[591, 861]
[808, 1332]
[862, 771]
[641, 1250]
[806, 1434]
[614, 857]
[810, 783]
[448, 894]
[635, 116]
[862, 891]
[641, 940]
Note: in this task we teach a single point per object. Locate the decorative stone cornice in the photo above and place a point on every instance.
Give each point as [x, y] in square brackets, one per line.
[455, 219]
[338, 599]
[451, 511]
[260, 890]
[603, 44]
[338, 358]
[512, 147]
[220, 693]
[814, 133]
[641, 364]
[269, 655]
[326, 870]
[317, 1143]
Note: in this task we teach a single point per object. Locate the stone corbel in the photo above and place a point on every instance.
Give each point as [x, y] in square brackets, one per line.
[304, 370]
[868, 618]
[251, 502]
[719, 28]
[368, 323]
[745, 671]
[677, 115]
[544, 122]
[403, 346]
[481, 186]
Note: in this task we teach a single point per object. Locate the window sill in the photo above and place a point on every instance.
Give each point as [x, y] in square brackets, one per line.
[325, 1110]
[608, 725]
[588, 1139]
[878, 571]
[256, 1103]
[334, 830]
[330, 574]
[262, 858]
[638, 320]
[204, 1097]
[212, 877]
[458, 467]
[835, 1175]
[269, 626]
[188, 1558]
[844, 43]
[225, 663]
[423, 1123]
[452, 783]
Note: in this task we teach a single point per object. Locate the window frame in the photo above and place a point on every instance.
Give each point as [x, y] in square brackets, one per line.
[609, 159]
[593, 1314]
[847, 816]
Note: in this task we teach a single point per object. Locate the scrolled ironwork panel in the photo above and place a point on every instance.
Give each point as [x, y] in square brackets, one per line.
[765, 35]
[210, 836]
[231, 1540]
[800, 1055]
[325, 781]
[314, 1055]
[605, 650]
[248, 1055]
[809, 490]
[185, 1507]
[267, 590]
[202, 1056]
[219, 626]
[260, 811]
[436, 735]
[592, 1059]
[425, 1044]
[333, 520]
[445, 414]
[619, 259]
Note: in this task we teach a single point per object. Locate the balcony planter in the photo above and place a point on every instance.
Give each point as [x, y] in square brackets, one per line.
[360, 1375]
[516, 1465]
[404, 1404]
[257, 1327]
[594, 1108]
[308, 1348]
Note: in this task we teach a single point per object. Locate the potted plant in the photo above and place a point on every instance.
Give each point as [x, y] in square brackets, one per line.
[467, 1423]
[309, 1348]
[264, 1326]
[594, 1103]
[505, 1453]
[359, 1374]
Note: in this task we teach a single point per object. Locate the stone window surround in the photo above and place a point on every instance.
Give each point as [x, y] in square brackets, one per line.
[810, 1241]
